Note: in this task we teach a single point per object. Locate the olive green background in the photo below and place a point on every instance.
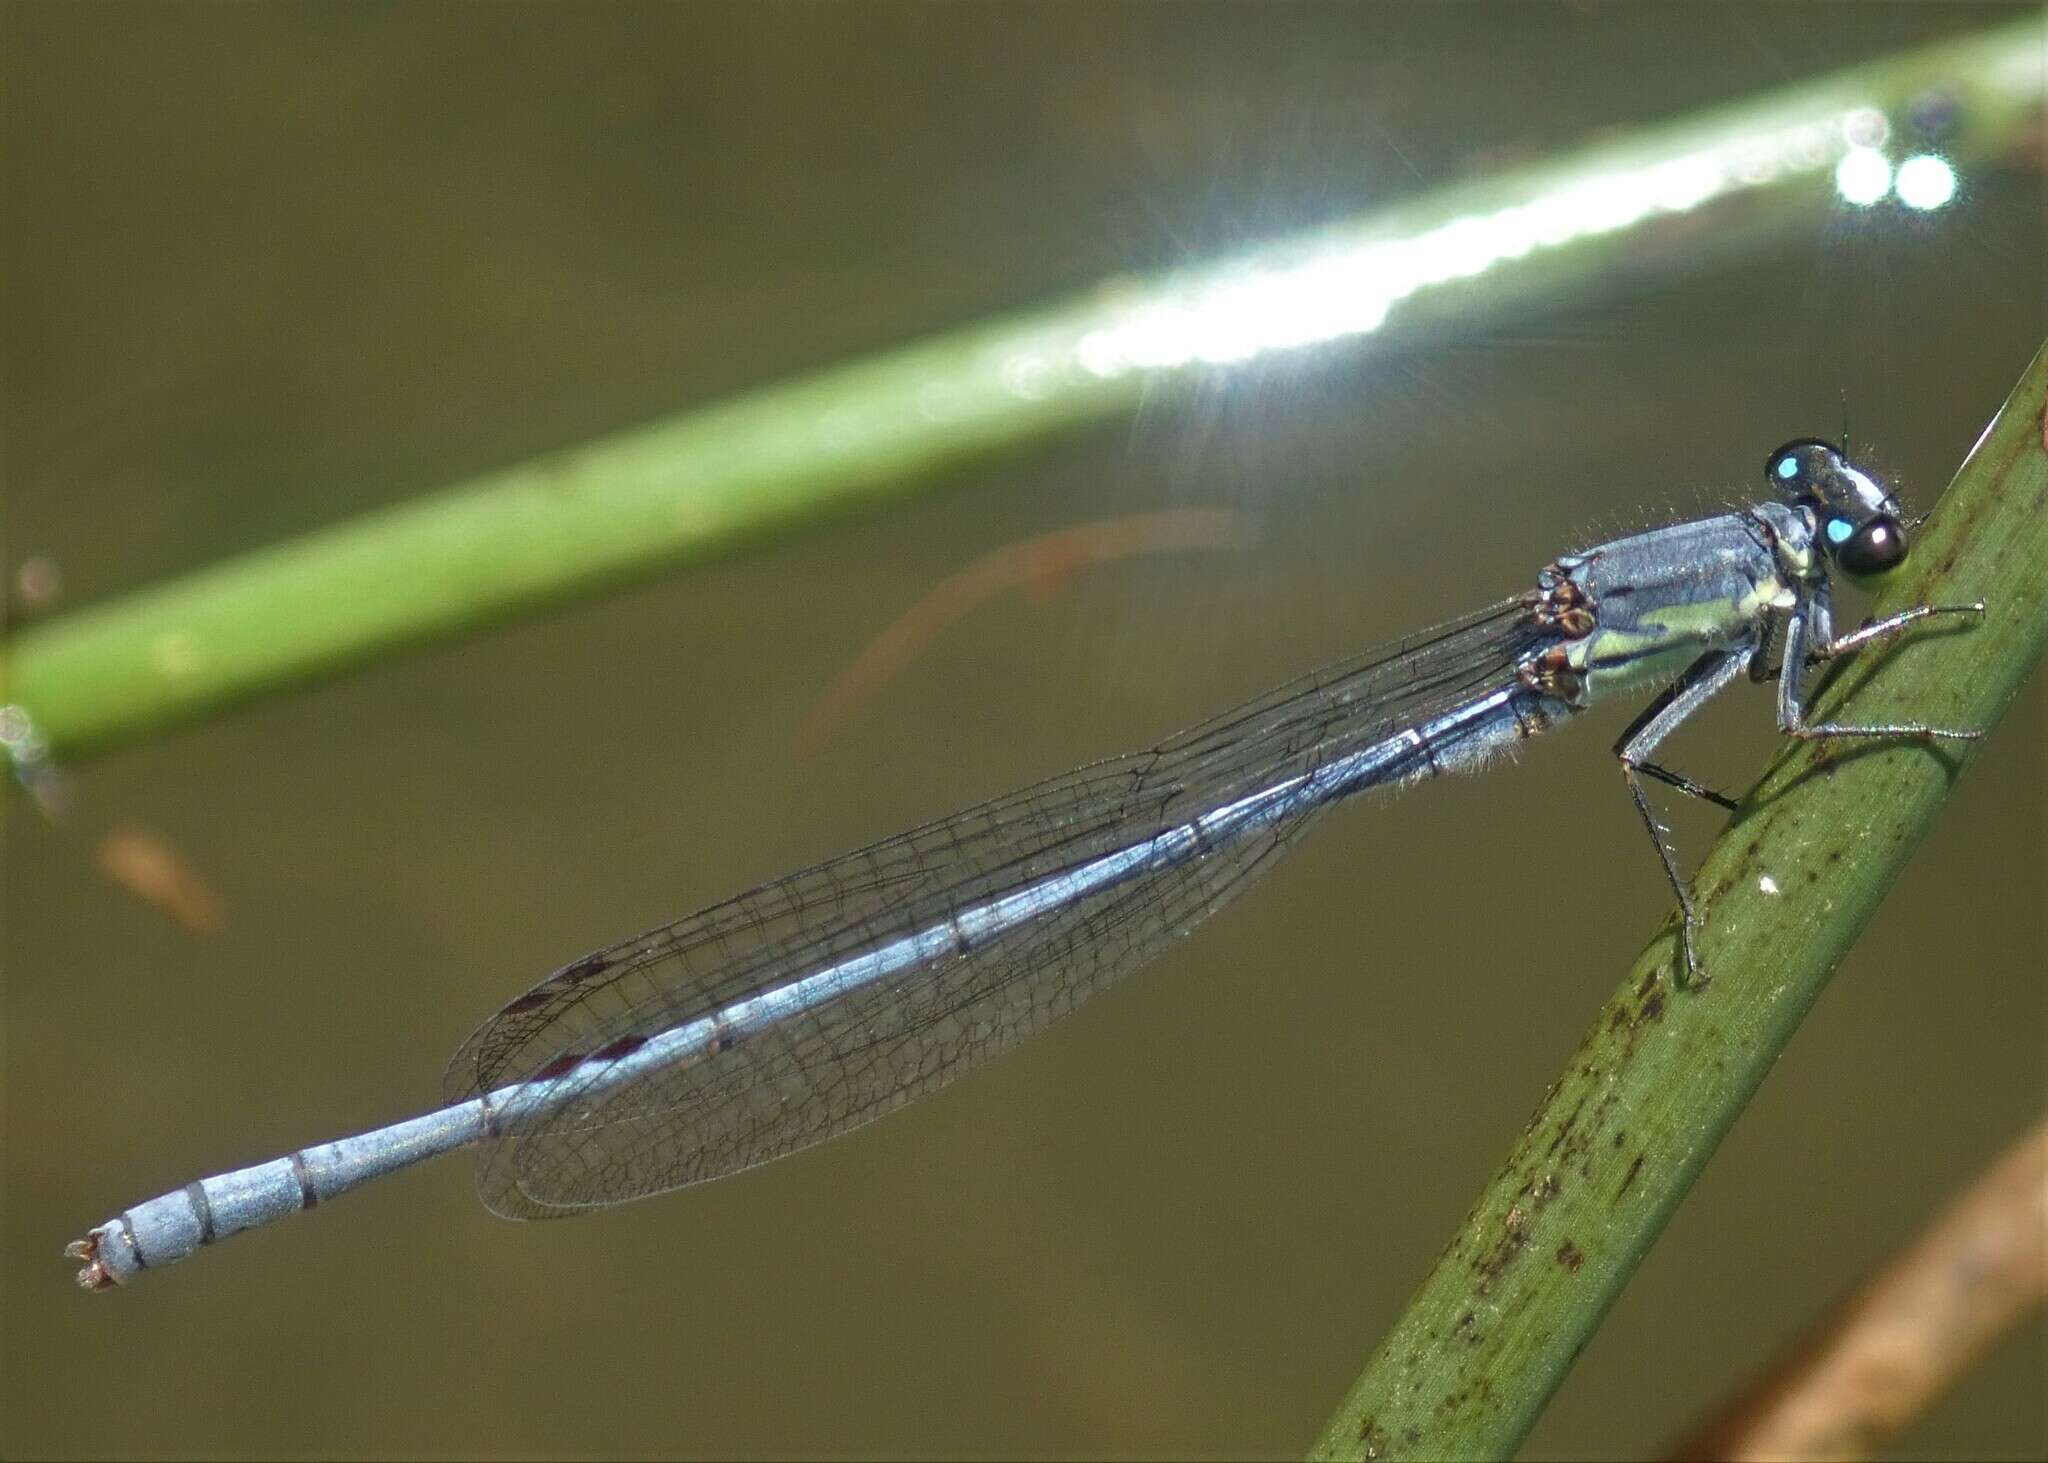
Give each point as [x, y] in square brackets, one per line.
[268, 266]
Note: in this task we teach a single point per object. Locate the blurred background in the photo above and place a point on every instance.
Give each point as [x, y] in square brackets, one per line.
[268, 267]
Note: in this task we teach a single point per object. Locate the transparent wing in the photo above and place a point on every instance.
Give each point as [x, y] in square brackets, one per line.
[834, 1065]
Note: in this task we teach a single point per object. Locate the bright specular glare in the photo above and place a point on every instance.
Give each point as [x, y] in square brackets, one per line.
[1863, 176]
[1346, 280]
[1926, 181]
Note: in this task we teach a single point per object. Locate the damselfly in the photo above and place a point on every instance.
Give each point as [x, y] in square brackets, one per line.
[814, 1004]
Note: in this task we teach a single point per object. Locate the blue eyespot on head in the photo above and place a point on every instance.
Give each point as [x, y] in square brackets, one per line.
[1839, 530]
[1788, 467]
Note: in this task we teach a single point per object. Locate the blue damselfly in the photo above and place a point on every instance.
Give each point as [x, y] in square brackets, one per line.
[814, 1004]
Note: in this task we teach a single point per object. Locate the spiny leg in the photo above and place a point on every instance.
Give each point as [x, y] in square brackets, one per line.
[1760, 670]
[1791, 707]
[1706, 676]
[1891, 625]
[1686, 785]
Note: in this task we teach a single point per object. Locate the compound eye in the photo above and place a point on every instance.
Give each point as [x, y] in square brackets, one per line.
[1794, 466]
[1876, 546]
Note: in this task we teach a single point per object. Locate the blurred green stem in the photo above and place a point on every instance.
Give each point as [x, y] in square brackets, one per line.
[710, 480]
[1663, 1072]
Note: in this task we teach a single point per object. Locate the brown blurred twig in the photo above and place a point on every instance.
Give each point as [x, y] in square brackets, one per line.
[1040, 563]
[1870, 1368]
[148, 867]
[137, 861]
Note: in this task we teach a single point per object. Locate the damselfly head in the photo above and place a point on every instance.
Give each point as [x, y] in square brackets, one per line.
[1857, 517]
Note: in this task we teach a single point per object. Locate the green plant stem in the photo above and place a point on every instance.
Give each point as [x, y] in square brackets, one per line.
[701, 484]
[1665, 1070]
[711, 480]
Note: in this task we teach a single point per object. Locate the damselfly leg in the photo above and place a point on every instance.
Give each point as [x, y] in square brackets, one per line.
[1710, 674]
